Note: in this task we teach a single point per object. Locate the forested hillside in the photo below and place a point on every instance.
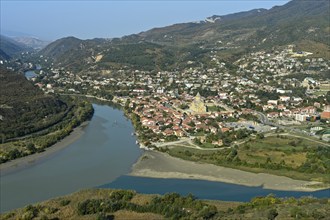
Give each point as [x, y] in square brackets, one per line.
[24, 108]
[31, 120]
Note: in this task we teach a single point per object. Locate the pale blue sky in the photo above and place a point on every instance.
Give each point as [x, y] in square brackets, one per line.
[90, 19]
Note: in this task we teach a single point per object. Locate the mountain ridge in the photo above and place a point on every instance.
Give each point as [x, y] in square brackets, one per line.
[31, 42]
[299, 22]
[11, 47]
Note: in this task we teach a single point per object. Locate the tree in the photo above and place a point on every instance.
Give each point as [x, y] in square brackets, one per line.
[197, 141]
[272, 214]
[30, 146]
[260, 136]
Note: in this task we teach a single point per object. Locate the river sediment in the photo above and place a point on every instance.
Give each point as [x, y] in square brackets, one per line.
[161, 165]
[24, 162]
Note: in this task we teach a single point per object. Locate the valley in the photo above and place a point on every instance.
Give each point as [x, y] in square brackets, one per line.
[242, 99]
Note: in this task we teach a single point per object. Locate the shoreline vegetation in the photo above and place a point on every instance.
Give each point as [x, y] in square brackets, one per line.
[128, 204]
[59, 134]
[76, 132]
[32, 159]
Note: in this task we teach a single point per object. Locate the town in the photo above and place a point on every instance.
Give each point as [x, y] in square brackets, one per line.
[267, 91]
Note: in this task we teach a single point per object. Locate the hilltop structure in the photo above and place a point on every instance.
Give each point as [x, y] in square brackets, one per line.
[198, 105]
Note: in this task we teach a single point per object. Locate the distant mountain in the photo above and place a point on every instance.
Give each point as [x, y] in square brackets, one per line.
[10, 47]
[303, 23]
[291, 23]
[31, 42]
[28, 40]
[208, 30]
[3, 55]
[235, 16]
[73, 52]
[61, 46]
[12, 34]
[79, 54]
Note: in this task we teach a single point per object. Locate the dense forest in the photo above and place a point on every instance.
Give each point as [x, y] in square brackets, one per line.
[24, 108]
[30, 120]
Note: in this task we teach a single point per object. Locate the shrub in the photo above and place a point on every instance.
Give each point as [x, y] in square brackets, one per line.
[65, 202]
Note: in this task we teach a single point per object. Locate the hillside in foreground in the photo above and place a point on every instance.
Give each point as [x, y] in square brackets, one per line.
[126, 204]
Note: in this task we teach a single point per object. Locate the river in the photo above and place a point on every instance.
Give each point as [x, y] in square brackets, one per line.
[30, 74]
[204, 189]
[102, 157]
[104, 152]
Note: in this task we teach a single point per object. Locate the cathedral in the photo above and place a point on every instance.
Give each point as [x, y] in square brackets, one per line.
[198, 105]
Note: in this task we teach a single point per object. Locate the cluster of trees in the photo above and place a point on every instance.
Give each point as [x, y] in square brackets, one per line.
[271, 206]
[26, 109]
[171, 205]
[174, 206]
[226, 137]
[265, 96]
[143, 55]
[318, 161]
[206, 92]
[117, 200]
[80, 111]
[249, 117]
[35, 115]
[215, 109]
[37, 211]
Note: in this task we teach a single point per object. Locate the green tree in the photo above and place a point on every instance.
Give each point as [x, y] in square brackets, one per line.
[272, 214]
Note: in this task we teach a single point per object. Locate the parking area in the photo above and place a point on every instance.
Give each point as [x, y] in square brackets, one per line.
[250, 125]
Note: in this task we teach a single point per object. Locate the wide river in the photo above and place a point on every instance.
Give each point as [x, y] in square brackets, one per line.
[102, 157]
[104, 152]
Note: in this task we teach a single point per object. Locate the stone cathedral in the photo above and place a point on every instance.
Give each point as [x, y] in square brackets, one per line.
[198, 105]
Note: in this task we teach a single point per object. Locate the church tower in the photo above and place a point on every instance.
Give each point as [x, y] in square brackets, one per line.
[197, 105]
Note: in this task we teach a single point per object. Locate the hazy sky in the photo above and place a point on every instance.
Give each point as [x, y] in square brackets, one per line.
[90, 19]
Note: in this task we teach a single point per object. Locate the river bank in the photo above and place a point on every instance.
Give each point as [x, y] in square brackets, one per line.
[30, 160]
[160, 165]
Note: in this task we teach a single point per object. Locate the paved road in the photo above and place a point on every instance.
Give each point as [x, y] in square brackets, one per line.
[189, 144]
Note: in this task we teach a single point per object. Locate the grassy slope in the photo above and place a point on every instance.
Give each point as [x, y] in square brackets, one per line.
[66, 207]
[284, 156]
